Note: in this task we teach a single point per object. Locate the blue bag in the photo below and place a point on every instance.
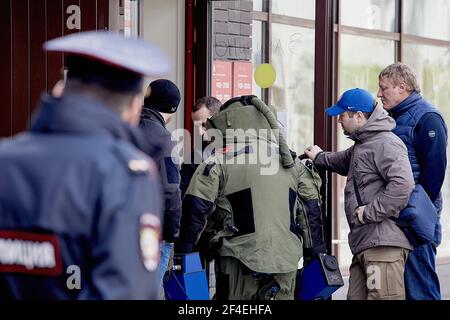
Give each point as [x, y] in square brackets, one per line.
[319, 279]
[418, 220]
[187, 279]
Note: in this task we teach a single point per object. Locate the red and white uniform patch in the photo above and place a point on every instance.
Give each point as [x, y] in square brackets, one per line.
[29, 252]
[149, 238]
[224, 150]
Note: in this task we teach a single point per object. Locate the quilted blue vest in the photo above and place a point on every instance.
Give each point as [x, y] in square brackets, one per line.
[407, 114]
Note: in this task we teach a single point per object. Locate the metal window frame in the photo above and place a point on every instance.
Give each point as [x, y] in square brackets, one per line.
[328, 30]
[401, 37]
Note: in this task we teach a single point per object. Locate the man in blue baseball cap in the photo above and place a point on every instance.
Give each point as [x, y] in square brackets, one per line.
[81, 206]
[379, 182]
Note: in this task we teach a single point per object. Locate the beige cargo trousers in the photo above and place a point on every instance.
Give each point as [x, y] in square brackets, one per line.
[377, 274]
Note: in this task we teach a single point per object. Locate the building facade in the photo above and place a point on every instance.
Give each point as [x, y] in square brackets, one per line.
[318, 48]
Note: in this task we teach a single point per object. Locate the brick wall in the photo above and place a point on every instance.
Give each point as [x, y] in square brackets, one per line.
[232, 30]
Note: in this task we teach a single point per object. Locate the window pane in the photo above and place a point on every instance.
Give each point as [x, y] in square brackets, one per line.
[257, 53]
[258, 5]
[293, 91]
[295, 8]
[131, 20]
[428, 18]
[369, 14]
[432, 66]
[358, 67]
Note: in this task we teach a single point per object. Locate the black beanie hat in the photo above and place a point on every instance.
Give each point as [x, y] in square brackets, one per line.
[164, 96]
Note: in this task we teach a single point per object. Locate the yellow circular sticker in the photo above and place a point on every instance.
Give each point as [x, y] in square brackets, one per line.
[265, 75]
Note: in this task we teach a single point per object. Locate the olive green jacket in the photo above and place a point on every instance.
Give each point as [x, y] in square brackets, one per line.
[257, 212]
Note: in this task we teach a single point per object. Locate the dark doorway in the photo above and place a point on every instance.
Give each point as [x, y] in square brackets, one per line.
[25, 69]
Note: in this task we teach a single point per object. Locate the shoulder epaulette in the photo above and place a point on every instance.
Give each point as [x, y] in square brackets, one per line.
[133, 159]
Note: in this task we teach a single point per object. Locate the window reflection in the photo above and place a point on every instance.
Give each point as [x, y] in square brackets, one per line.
[295, 8]
[257, 53]
[361, 60]
[293, 91]
[432, 66]
[369, 14]
[428, 18]
[258, 5]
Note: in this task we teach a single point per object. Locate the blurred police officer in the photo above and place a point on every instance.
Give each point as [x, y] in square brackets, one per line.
[79, 204]
[159, 109]
[247, 195]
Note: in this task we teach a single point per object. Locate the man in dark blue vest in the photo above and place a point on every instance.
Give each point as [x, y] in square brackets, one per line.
[423, 130]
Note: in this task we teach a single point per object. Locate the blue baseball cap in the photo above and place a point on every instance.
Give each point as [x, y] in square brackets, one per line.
[353, 100]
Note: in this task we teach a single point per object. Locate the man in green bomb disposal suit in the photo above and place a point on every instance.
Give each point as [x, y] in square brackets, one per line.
[258, 202]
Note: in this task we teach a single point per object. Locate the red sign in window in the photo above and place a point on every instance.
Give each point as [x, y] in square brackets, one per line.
[221, 80]
[242, 78]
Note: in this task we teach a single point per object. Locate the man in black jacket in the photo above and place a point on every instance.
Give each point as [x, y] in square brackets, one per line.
[158, 110]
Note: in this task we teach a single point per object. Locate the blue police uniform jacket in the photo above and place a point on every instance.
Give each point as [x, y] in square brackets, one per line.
[80, 207]
[407, 115]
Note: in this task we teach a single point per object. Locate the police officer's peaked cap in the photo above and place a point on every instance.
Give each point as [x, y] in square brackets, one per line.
[109, 59]
[115, 50]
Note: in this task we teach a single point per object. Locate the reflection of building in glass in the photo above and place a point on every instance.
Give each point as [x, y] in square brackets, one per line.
[428, 19]
[369, 14]
[293, 91]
